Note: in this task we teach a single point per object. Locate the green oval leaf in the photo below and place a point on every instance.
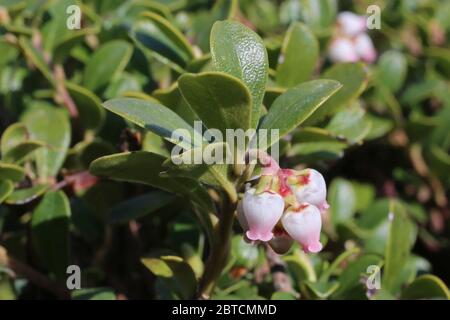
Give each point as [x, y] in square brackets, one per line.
[312, 144]
[426, 287]
[171, 98]
[12, 136]
[220, 101]
[240, 52]
[145, 167]
[322, 290]
[319, 14]
[94, 294]
[154, 117]
[162, 37]
[176, 274]
[50, 232]
[350, 124]
[374, 215]
[245, 254]
[11, 172]
[106, 63]
[141, 167]
[207, 170]
[398, 246]
[88, 104]
[295, 105]
[391, 70]
[51, 126]
[139, 206]
[6, 188]
[281, 295]
[21, 151]
[300, 52]
[354, 78]
[23, 196]
[342, 200]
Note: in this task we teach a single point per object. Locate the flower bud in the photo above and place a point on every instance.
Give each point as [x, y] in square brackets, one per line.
[364, 48]
[304, 225]
[262, 212]
[351, 24]
[343, 50]
[309, 186]
[281, 241]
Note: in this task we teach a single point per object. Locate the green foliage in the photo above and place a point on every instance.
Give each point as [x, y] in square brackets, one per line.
[50, 125]
[50, 232]
[221, 101]
[240, 52]
[295, 105]
[300, 51]
[106, 63]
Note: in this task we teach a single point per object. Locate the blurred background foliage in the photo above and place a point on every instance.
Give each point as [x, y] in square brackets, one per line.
[382, 143]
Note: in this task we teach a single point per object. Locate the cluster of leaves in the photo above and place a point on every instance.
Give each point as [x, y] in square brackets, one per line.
[93, 185]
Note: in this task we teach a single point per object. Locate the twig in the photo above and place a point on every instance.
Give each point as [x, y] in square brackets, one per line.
[79, 181]
[421, 167]
[37, 278]
[219, 252]
[60, 78]
[61, 89]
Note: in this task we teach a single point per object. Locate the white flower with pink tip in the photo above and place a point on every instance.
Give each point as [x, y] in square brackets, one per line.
[285, 206]
[351, 24]
[262, 212]
[303, 224]
[351, 42]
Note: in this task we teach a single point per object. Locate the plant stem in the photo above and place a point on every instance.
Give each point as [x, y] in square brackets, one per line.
[39, 279]
[221, 244]
[220, 251]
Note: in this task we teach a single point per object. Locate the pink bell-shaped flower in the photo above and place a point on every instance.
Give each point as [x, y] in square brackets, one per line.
[304, 225]
[364, 48]
[351, 24]
[342, 50]
[262, 212]
[309, 186]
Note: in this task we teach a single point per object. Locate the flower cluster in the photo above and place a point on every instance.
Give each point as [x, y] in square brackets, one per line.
[284, 206]
[351, 43]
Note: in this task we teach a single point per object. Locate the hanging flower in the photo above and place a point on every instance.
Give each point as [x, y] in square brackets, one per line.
[350, 42]
[364, 48]
[285, 205]
[351, 24]
[303, 224]
[343, 50]
[262, 212]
